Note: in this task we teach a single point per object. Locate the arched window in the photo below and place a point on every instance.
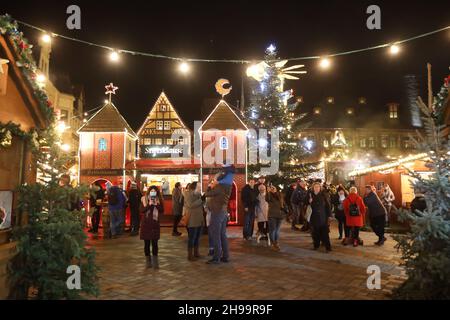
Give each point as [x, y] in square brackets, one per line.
[102, 144]
[223, 143]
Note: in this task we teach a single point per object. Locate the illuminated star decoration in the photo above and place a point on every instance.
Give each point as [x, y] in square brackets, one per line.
[2, 62]
[110, 89]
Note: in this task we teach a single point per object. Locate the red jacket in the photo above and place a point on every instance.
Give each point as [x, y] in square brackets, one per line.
[354, 221]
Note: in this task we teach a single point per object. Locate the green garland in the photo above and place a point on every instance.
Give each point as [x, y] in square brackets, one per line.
[10, 129]
[26, 62]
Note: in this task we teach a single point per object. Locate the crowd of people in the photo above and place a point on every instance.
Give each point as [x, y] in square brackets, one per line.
[308, 206]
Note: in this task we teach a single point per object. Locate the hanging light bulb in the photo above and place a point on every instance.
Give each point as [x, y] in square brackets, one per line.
[184, 67]
[41, 78]
[114, 56]
[46, 38]
[324, 63]
[394, 49]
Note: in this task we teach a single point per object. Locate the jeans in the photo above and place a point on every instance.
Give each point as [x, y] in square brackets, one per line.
[377, 224]
[320, 234]
[194, 236]
[210, 238]
[249, 221]
[176, 221]
[116, 221]
[134, 218]
[274, 229]
[154, 247]
[342, 227]
[295, 214]
[218, 228]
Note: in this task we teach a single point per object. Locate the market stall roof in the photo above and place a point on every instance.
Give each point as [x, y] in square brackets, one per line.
[163, 164]
[107, 119]
[223, 118]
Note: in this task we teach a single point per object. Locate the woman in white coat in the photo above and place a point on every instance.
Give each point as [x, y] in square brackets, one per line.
[262, 213]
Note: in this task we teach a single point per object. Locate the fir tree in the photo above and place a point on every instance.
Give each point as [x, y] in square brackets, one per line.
[271, 108]
[426, 248]
[52, 239]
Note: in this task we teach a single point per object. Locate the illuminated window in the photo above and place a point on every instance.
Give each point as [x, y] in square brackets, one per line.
[166, 125]
[159, 125]
[163, 108]
[406, 143]
[362, 100]
[330, 100]
[102, 144]
[362, 142]
[158, 141]
[169, 141]
[223, 143]
[384, 141]
[326, 143]
[180, 140]
[316, 110]
[392, 142]
[371, 142]
[350, 111]
[393, 111]
[147, 141]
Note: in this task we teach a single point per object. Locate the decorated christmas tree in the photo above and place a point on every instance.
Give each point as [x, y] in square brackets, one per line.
[426, 248]
[271, 107]
[52, 238]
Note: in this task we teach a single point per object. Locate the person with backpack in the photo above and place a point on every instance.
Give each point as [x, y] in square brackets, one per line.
[355, 211]
[337, 200]
[151, 208]
[116, 203]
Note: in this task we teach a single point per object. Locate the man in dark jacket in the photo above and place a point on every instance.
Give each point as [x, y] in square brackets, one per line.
[116, 203]
[177, 208]
[96, 199]
[249, 196]
[320, 217]
[377, 214]
[298, 202]
[218, 204]
[419, 203]
[134, 199]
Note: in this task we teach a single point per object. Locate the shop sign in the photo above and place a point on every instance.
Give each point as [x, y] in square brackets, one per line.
[162, 151]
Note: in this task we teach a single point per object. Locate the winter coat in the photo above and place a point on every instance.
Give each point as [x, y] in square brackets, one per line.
[321, 210]
[134, 198]
[121, 199]
[354, 221]
[337, 204]
[262, 208]
[274, 201]
[299, 196]
[150, 228]
[194, 206]
[387, 197]
[249, 197]
[374, 205]
[177, 202]
[219, 198]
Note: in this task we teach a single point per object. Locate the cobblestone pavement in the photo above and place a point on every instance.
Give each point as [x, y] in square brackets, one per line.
[254, 272]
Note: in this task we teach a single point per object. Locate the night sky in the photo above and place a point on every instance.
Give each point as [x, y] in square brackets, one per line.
[238, 30]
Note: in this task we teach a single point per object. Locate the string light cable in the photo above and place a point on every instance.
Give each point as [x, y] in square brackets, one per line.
[238, 61]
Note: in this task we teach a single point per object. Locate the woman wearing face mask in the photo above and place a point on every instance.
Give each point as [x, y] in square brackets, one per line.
[151, 208]
[194, 206]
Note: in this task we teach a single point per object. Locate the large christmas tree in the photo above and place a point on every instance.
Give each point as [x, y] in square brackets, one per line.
[426, 248]
[271, 107]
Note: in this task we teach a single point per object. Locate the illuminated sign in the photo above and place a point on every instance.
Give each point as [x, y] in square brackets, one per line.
[162, 151]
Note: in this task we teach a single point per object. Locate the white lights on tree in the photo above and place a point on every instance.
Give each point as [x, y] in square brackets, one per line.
[65, 147]
[41, 78]
[262, 142]
[271, 48]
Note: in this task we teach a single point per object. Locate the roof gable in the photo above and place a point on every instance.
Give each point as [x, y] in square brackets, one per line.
[162, 100]
[223, 118]
[107, 119]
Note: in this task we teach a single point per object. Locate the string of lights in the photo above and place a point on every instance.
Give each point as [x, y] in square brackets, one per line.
[324, 63]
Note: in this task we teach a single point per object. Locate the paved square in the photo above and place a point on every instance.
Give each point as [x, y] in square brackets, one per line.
[254, 272]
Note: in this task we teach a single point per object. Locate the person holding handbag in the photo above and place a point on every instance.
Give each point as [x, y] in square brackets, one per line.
[151, 208]
[194, 219]
[355, 211]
